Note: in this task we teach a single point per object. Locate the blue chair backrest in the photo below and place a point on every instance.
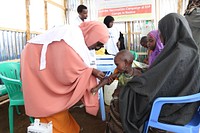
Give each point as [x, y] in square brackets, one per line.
[105, 63]
[192, 127]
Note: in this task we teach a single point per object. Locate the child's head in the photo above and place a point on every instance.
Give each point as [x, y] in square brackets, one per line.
[143, 41]
[123, 60]
[151, 39]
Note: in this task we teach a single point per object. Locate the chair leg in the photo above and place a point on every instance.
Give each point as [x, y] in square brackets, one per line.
[18, 112]
[10, 111]
[102, 105]
[31, 119]
[145, 129]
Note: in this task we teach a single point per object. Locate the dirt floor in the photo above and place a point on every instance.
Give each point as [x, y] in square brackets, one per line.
[89, 124]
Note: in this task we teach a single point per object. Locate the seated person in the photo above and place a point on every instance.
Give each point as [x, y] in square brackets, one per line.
[123, 61]
[143, 42]
[154, 44]
[174, 72]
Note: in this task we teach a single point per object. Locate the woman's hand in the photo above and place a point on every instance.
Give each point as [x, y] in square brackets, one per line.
[97, 73]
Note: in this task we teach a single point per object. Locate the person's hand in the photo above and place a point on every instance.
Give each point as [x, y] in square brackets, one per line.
[110, 80]
[94, 90]
[97, 73]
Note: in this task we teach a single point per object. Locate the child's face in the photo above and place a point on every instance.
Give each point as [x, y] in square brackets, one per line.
[151, 42]
[144, 44]
[121, 66]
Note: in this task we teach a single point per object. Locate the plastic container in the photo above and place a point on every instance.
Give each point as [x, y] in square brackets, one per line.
[108, 91]
[38, 127]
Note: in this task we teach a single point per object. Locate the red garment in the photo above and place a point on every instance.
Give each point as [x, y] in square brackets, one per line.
[63, 83]
[65, 78]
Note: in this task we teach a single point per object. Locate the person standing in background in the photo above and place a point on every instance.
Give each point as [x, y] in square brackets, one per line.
[83, 14]
[143, 43]
[111, 45]
[192, 14]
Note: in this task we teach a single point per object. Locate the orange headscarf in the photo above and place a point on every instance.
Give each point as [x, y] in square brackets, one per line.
[94, 31]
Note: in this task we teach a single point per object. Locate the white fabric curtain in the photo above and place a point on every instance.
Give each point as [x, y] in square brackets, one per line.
[72, 10]
[164, 7]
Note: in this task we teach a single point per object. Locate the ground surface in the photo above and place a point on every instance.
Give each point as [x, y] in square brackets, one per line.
[90, 124]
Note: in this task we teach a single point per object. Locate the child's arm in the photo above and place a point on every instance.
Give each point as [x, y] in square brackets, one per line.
[106, 80]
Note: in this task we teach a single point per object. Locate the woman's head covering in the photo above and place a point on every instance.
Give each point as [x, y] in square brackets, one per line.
[181, 31]
[175, 72]
[107, 20]
[94, 32]
[158, 48]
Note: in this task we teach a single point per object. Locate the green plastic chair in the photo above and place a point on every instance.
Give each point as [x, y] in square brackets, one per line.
[134, 54]
[3, 90]
[10, 75]
[15, 95]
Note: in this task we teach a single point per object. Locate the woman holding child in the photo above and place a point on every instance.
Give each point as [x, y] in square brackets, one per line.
[175, 72]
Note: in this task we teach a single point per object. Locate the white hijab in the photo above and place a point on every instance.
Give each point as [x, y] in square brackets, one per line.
[72, 35]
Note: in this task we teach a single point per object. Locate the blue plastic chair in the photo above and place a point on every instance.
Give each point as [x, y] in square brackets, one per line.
[192, 127]
[101, 100]
[105, 64]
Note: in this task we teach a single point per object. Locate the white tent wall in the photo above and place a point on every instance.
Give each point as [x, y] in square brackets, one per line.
[163, 7]
[37, 19]
[72, 10]
[13, 14]
[23, 19]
